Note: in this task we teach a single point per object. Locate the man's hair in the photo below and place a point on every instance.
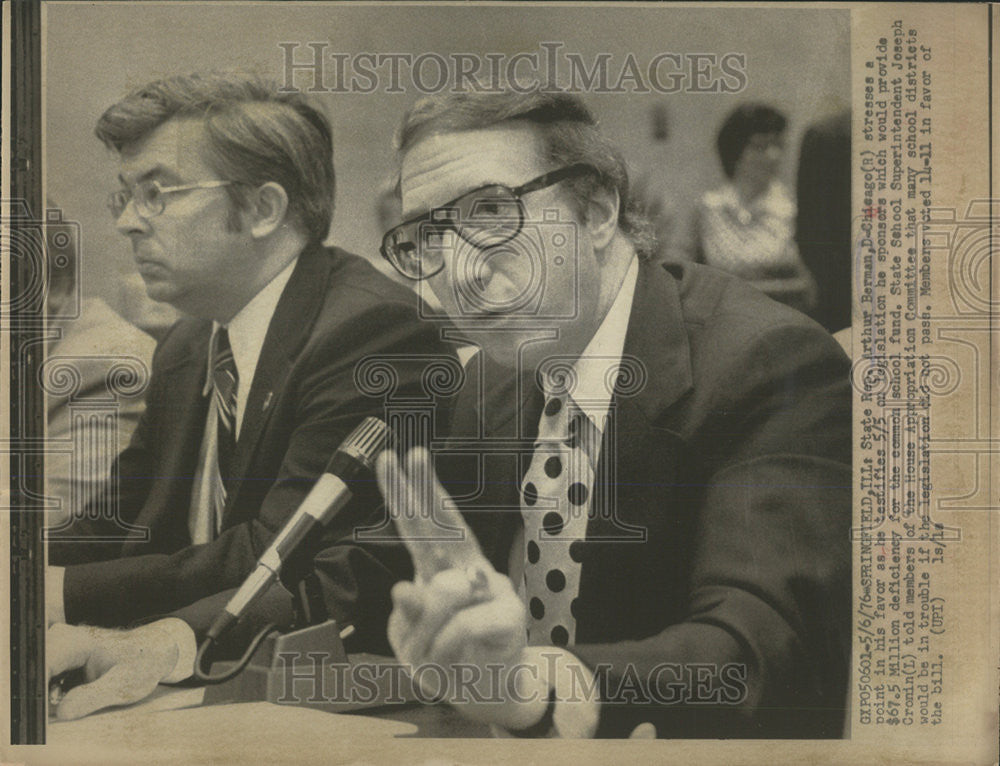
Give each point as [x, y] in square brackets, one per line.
[256, 135]
[740, 126]
[568, 133]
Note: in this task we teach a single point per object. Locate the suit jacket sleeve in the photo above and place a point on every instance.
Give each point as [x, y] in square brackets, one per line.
[355, 577]
[763, 648]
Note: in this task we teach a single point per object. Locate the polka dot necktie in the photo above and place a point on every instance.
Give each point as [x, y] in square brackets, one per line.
[225, 381]
[555, 498]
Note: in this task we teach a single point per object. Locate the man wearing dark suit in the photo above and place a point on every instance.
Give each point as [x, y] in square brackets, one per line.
[227, 192]
[655, 460]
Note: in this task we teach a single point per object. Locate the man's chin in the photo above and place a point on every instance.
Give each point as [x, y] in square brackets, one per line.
[160, 292]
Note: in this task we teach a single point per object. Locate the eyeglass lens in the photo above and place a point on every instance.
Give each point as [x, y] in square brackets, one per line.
[483, 218]
[148, 199]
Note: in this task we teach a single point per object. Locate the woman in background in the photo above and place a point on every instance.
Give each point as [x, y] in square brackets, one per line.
[747, 226]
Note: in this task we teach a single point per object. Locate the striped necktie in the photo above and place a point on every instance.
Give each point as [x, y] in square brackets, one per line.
[555, 498]
[225, 381]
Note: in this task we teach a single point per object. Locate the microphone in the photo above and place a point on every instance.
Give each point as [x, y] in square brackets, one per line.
[331, 492]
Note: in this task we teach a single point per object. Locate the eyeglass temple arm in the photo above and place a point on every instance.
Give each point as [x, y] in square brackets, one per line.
[199, 185]
[578, 168]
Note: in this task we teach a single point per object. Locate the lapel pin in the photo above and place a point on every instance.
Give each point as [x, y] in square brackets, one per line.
[267, 401]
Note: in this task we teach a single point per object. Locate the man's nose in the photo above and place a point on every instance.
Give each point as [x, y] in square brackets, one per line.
[500, 279]
[475, 270]
[130, 222]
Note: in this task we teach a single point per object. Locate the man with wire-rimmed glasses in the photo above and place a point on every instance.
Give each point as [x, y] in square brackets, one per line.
[225, 190]
[655, 461]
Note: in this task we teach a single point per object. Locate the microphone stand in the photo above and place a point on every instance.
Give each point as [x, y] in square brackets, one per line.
[308, 667]
[282, 657]
[307, 602]
[276, 666]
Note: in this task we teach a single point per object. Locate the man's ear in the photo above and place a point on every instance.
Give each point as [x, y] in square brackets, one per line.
[268, 209]
[602, 217]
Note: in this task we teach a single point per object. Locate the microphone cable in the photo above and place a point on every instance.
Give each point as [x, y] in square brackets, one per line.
[203, 675]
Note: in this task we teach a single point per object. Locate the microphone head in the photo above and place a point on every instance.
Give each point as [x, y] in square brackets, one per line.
[366, 441]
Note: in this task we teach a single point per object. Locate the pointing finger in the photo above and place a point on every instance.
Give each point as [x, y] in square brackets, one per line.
[426, 518]
[455, 546]
[406, 511]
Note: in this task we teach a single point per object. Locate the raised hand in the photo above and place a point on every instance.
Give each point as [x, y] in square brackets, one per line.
[459, 611]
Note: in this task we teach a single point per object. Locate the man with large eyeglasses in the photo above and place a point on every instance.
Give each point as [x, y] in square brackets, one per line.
[484, 217]
[648, 532]
[226, 191]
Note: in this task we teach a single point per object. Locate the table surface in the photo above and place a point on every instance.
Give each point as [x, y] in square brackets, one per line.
[173, 724]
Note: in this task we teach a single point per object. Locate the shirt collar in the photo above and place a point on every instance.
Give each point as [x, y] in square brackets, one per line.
[248, 328]
[593, 369]
[774, 201]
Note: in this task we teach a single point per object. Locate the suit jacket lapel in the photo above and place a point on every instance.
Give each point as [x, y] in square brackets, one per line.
[287, 333]
[513, 403]
[498, 411]
[638, 443]
[657, 338]
[183, 379]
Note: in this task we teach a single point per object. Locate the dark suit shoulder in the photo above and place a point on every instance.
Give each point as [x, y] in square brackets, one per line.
[364, 312]
[745, 348]
[185, 337]
[363, 302]
[352, 272]
[723, 313]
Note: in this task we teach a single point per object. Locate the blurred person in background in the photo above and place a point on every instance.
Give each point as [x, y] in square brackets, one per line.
[746, 226]
[90, 342]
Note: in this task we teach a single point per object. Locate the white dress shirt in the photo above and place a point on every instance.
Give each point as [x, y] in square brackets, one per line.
[247, 331]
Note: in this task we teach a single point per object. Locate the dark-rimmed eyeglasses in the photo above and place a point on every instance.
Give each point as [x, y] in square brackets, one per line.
[484, 217]
[150, 197]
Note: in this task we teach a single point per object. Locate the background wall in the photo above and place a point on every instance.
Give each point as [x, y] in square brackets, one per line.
[796, 59]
